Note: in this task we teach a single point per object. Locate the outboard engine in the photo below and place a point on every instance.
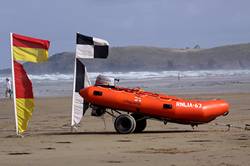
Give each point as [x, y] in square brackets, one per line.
[102, 80]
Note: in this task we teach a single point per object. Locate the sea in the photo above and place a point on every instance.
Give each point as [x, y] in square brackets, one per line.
[163, 81]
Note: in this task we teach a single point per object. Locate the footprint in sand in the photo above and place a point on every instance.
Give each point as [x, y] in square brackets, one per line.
[63, 142]
[113, 161]
[49, 148]
[124, 140]
[19, 153]
[200, 141]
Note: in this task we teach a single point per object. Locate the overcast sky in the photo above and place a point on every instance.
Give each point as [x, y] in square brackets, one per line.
[161, 23]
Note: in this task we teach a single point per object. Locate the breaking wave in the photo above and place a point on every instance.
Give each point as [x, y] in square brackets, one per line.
[141, 75]
[166, 74]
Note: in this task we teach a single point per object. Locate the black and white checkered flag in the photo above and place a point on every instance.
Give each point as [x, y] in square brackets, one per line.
[86, 47]
[91, 47]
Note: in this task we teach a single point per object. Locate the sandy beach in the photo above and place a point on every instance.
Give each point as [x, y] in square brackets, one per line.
[50, 142]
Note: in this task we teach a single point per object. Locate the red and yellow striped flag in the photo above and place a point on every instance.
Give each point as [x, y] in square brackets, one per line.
[29, 49]
[24, 97]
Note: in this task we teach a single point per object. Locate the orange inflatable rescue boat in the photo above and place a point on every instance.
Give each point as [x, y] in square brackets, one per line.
[141, 105]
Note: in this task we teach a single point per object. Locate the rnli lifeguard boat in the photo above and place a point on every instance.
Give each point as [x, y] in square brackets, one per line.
[139, 105]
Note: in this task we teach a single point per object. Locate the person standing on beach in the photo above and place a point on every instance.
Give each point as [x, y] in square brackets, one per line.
[8, 90]
[179, 76]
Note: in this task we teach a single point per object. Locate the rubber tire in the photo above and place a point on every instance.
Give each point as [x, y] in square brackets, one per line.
[140, 124]
[125, 124]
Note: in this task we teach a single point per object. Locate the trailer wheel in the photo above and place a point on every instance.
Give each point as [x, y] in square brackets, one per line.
[141, 123]
[125, 124]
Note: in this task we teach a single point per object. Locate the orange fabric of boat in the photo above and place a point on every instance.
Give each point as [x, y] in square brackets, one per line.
[156, 105]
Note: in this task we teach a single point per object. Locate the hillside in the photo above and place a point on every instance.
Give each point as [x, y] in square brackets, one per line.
[139, 58]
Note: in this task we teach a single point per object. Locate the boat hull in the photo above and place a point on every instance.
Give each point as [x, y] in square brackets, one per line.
[158, 106]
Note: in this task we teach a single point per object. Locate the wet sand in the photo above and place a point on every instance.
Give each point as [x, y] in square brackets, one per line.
[50, 142]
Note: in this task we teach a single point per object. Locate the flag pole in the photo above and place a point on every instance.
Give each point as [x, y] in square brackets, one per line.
[13, 81]
[73, 97]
